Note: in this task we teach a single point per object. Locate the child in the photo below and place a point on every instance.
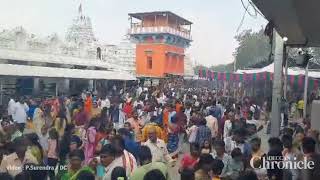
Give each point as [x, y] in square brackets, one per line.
[217, 167]
[118, 173]
[189, 161]
[206, 148]
[53, 150]
[236, 164]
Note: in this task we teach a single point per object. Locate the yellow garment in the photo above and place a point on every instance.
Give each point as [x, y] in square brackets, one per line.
[36, 152]
[146, 129]
[29, 125]
[301, 104]
[95, 112]
[60, 127]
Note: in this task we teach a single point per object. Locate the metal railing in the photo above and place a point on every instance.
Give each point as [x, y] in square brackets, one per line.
[138, 29]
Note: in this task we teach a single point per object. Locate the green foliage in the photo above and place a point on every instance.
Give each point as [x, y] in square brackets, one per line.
[223, 68]
[254, 47]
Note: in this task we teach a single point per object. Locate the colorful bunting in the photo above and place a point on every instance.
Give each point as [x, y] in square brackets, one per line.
[227, 76]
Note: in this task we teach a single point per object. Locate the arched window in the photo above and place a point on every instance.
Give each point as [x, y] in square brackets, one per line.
[99, 53]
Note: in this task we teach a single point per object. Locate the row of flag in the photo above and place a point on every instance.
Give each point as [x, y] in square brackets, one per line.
[263, 76]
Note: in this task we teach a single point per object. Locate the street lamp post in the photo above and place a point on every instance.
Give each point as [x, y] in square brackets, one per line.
[305, 92]
[277, 84]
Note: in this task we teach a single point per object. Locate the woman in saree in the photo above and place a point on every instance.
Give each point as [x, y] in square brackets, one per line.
[90, 144]
[38, 120]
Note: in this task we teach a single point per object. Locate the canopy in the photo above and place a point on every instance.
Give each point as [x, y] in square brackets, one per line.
[15, 55]
[51, 72]
[298, 20]
[291, 71]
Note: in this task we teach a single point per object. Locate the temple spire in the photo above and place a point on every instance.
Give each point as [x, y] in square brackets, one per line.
[80, 10]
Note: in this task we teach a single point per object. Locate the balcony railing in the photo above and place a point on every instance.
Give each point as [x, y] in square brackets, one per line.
[160, 29]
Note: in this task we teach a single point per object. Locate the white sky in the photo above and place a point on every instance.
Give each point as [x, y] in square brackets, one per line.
[215, 21]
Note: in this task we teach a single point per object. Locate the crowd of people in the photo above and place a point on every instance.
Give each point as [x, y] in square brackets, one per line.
[143, 135]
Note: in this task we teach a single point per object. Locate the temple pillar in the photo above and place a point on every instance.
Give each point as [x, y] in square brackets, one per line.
[91, 84]
[66, 85]
[36, 88]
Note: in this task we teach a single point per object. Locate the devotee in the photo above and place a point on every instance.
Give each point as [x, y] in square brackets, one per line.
[190, 160]
[147, 165]
[157, 147]
[204, 167]
[19, 114]
[76, 158]
[308, 145]
[217, 167]
[122, 158]
[219, 153]
[203, 133]
[18, 158]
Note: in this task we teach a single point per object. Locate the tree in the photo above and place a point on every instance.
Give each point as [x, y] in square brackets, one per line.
[254, 47]
[223, 68]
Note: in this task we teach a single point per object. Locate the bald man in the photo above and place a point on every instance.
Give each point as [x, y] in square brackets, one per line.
[158, 147]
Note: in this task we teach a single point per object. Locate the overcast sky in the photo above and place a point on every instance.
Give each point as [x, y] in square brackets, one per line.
[215, 21]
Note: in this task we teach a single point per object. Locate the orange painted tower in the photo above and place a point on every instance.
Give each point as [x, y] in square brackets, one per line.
[161, 39]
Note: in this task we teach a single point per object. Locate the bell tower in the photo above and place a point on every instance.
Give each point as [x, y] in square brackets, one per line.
[161, 39]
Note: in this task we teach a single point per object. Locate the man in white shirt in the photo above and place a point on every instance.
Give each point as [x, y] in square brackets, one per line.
[158, 148]
[105, 103]
[11, 104]
[122, 158]
[20, 114]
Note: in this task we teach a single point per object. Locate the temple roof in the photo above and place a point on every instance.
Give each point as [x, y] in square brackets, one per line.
[140, 16]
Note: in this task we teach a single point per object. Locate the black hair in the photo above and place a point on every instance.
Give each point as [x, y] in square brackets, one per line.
[31, 173]
[85, 175]
[145, 154]
[118, 172]
[275, 142]
[19, 141]
[256, 140]
[248, 175]
[155, 174]
[219, 143]
[275, 173]
[108, 149]
[204, 159]
[195, 146]
[288, 131]
[187, 174]
[5, 176]
[236, 152]
[77, 153]
[53, 134]
[120, 141]
[287, 141]
[203, 121]
[93, 122]
[308, 145]
[217, 166]
[76, 139]
[123, 132]
[240, 132]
